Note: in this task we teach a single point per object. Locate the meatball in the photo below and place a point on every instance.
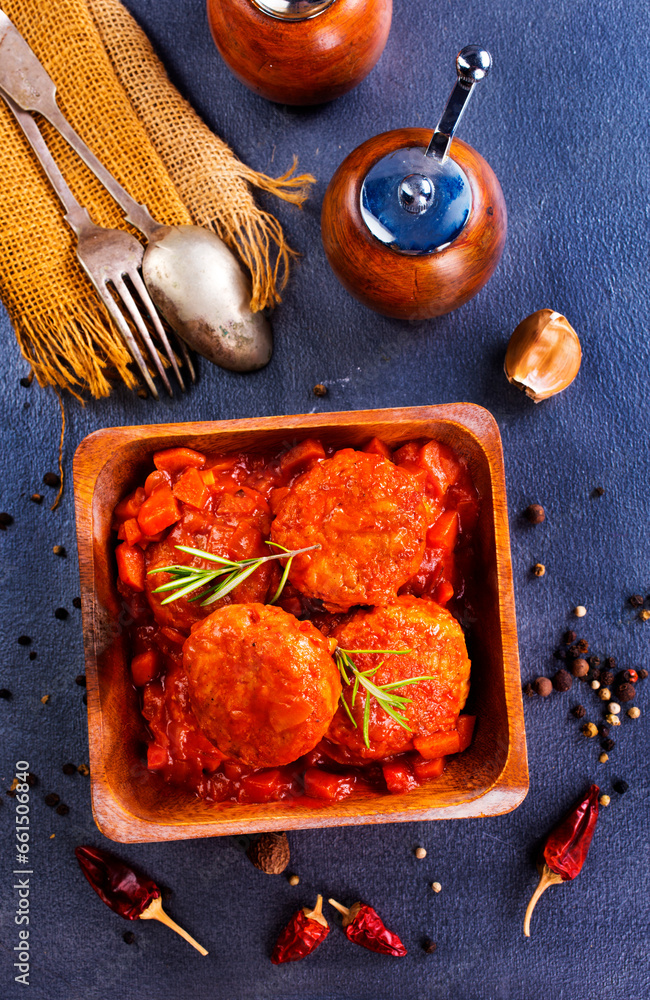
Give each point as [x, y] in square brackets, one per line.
[263, 685]
[369, 518]
[235, 531]
[439, 652]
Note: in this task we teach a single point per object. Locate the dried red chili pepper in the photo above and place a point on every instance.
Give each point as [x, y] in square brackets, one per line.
[127, 892]
[364, 926]
[566, 848]
[306, 930]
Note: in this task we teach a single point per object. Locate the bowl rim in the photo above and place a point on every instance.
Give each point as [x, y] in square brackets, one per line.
[509, 787]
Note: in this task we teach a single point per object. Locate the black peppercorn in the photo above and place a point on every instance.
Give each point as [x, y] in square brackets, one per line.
[606, 678]
[610, 663]
[36, 498]
[643, 674]
[63, 809]
[5, 693]
[607, 744]
[27, 381]
[52, 799]
[33, 654]
[529, 690]
[594, 662]
[76, 602]
[621, 787]
[320, 389]
[604, 729]
[560, 654]
[24, 640]
[535, 513]
[61, 614]
[128, 937]
[51, 479]
[59, 550]
[429, 946]
[80, 679]
[562, 680]
[69, 769]
[636, 601]
[579, 711]
[598, 491]
[568, 638]
[5, 520]
[626, 692]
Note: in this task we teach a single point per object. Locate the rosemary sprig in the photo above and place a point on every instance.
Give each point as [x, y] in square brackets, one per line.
[392, 704]
[234, 572]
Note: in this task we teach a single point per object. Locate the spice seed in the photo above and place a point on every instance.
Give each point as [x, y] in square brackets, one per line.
[320, 389]
[562, 681]
[626, 692]
[630, 676]
[621, 787]
[598, 491]
[5, 520]
[580, 611]
[61, 614]
[429, 946]
[436, 886]
[69, 769]
[33, 655]
[59, 550]
[76, 602]
[52, 799]
[420, 852]
[293, 880]
[80, 679]
[51, 479]
[603, 758]
[614, 708]
[543, 686]
[643, 674]
[606, 678]
[644, 615]
[604, 800]
[535, 513]
[604, 694]
[579, 711]
[36, 498]
[579, 668]
[83, 769]
[595, 685]
[529, 690]
[45, 699]
[634, 712]
[539, 569]
[569, 637]
[613, 720]
[590, 730]
[5, 694]
[129, 937]
[636, 601]
[607, 744]
[24, 640]
[63, 809]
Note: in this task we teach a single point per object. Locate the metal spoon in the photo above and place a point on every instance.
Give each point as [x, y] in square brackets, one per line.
[193, 278]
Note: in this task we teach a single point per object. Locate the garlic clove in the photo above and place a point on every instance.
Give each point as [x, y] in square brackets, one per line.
[543, 355]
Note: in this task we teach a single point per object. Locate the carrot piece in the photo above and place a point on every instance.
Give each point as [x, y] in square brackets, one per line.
[301, 456]
[245, 542]
[445, 531]
[148, 539]
[132, 533]
[130, 506]
[158, 511]
[207, 475]
[441, 464]
[409, 452]
[191, 489]
[429, 768]
[177, 459]
[399, 777]
[443, 593]
[156, 479]
[130, 565]
[174, 636]
[437, 744]
[277, 496]
[156, 757]
[145, 667]
[466, 725]
[323, 785]
[262, 786]
[377, 447]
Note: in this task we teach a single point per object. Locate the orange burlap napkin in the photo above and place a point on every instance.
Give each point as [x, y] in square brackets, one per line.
[115, 92]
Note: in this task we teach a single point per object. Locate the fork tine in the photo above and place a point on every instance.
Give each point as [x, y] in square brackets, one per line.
[140, 288]
[136, 316]
[123, 327]
[182, 346]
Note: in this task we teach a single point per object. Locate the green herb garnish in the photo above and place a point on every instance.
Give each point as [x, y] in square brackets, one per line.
[190, 578]
[391, 703]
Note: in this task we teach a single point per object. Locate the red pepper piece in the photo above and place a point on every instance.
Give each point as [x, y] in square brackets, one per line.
[306, 930]
[364, 926]
[158, 511]
[191, 489]
[120, 887]
[377, 447]
[302, 456]
[130, 566]
[566, 848]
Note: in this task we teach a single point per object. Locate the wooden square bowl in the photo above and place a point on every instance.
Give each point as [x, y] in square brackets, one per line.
[131, 803]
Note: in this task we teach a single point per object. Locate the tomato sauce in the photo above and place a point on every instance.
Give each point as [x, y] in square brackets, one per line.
[230, 501]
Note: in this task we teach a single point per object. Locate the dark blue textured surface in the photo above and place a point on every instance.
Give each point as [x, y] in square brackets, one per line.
[552, 120]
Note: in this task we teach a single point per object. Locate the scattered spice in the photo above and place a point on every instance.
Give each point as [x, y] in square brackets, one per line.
[529, 690]
[566, 848]
[581, 647]
[539, 569]
[83, 769]
[604, 694]
[45, 699]
[69, 769]
[364, 926]
[621, 787]
[543, 686]
[579, 668]
[562, 681]
[634, 712]
[436, 886]
[579, 711]
[36, 498]
[420, 853]
[24, 640]
[594, 662]
[595, 685]
[33, 655]
[429, 946]
[603, 758]
[606, 677]
[643, 674]
[5, 694]
[270, 853]
[630, 676]
[51, 479]
[293, 880]
[613, 719]
[52, 799]
[61, 614]
[126, 891]
[80, 679]
[569, 637]
[306, 930]
[5, 520]
[604, 730]
[59, 550]
[128, 937]
[610, 663]
[598, 491]
[535, 513]
[626, 692]
[320, 389]
[590, 730]
[614, 708]
[580, 611]
[27, 380]
[607, 744]
[560, 654]
[604, 800]
[76, 602]
[636, 600]
[142, 393]
[63, 809]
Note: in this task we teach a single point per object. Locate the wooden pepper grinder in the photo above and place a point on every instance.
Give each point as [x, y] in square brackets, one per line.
[300, 51]
[414, 225]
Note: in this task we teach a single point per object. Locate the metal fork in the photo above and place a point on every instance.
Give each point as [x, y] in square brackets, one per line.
[108, 256]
